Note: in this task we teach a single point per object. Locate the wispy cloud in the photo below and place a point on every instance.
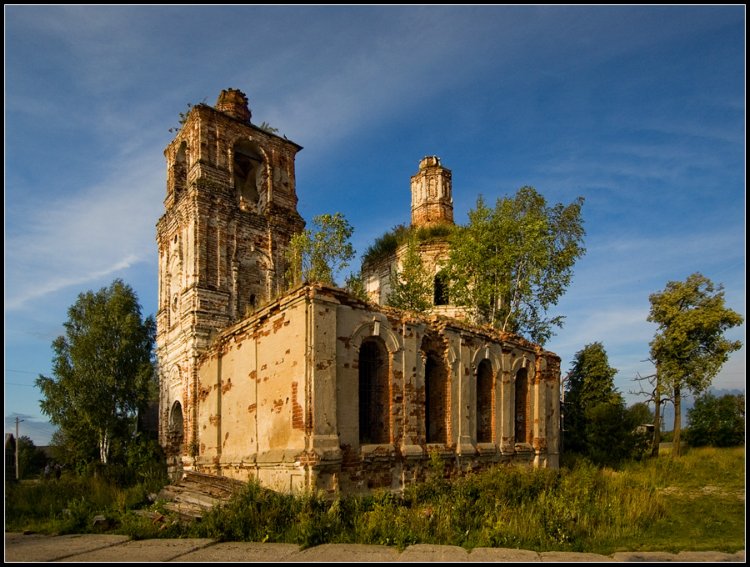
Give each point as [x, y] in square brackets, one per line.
[614, 326]
[57, 283]
[632, 261]
[81, 237]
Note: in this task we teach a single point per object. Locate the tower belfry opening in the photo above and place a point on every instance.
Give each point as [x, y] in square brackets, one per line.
[247, 172]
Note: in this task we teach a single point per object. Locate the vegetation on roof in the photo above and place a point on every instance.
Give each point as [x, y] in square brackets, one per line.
[387, 244]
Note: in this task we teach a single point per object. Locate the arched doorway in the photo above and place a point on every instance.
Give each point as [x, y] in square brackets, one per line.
[522, 406]
[484, 402]
[436, 399]
[374, 392]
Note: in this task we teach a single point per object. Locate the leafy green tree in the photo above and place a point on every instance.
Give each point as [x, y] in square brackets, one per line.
[689, 347]
[719, 422]
[590, 383]
[355, 285]
[411, 286]
[103, 372]
[510, 264]
[317, 256]
[612, 434]
[31, 459]
[597, 423]
[641, 414]
[77, 446]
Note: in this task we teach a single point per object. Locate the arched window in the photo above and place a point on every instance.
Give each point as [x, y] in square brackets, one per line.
[522, 406]
[436, 400]
[484, 402]
[441, 289]
[374, 393]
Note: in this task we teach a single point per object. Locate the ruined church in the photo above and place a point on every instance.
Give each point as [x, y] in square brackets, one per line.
[310, 388]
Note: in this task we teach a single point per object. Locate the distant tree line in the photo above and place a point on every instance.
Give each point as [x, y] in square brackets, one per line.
[716, 421]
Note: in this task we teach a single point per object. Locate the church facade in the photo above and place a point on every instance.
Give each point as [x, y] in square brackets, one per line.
[311, 388]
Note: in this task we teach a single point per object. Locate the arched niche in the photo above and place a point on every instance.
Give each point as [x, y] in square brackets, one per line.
[176, 430]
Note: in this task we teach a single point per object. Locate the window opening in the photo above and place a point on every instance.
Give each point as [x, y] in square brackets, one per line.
[484, 402]
[441, 289]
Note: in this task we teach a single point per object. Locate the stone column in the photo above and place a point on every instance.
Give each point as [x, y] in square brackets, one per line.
[413, 382]
[507, 433]
[462, 381]
[322, 345]
[538, 437]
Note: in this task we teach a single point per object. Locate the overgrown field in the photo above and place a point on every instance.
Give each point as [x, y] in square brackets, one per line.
[695, 502]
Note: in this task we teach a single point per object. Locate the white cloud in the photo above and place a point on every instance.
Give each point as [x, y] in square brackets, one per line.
[643, 264]
[611, 326]
[78, 238]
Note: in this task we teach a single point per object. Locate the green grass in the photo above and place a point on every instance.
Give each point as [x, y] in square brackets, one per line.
[67, 506]
[692, 503]
[703, 492]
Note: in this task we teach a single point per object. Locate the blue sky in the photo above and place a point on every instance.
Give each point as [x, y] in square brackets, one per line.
[640, 110]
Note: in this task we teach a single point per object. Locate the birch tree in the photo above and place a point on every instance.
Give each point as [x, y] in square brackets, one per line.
[411, 285]
[103, 371]
[318, 255]
[511, 264]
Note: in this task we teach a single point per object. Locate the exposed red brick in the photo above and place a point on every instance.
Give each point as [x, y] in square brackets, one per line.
[297, 413]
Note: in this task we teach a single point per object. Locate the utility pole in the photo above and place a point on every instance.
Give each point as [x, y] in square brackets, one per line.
[17, 422]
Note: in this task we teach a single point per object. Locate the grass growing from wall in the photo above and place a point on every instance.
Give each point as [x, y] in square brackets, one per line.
[387, 244]
[695, 502]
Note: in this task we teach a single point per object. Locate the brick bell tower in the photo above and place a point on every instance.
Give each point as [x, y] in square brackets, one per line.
[230, 212]
[431, 194]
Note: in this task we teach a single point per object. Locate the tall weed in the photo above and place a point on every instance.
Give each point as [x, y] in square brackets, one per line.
[689, 503]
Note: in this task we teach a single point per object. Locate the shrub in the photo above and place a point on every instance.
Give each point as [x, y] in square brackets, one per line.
[719, 422]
